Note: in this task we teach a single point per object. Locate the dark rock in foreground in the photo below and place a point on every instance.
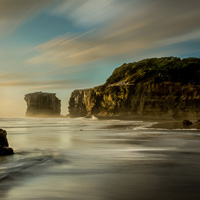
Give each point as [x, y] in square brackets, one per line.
[4, 146]
[187, 122]
[41, 104]
[158, 87]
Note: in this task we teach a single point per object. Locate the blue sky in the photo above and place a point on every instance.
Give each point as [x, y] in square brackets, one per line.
[62, 45]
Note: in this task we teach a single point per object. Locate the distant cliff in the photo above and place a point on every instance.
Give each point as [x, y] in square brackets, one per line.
[157, 87]
[42, 104]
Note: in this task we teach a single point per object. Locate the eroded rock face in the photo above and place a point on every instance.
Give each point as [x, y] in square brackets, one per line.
[166, 87]
[41, 104]
[4, 146]
[168, 100]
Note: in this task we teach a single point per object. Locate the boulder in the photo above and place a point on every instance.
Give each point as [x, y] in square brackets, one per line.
[187, 123]
[4, 146]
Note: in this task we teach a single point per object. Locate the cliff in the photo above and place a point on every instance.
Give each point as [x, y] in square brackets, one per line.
[158, 87]
[42, 104]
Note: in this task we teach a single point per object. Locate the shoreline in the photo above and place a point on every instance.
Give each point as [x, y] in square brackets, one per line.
[175, 125]
[162, 123]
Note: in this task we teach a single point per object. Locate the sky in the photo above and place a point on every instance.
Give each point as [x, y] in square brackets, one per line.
[62, 45]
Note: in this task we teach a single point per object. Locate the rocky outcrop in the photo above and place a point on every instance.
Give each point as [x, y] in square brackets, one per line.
[153, 100]
[164, 87]
[40, 104]
[187, 123]
[4, 146]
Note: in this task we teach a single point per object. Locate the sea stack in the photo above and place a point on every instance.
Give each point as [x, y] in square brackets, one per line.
[42, 104]
[4, 146]
[167, 87]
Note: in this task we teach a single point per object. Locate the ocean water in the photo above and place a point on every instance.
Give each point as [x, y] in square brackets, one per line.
[83, 159]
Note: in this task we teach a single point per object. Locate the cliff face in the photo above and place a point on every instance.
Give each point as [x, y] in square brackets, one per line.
[165, 87]
[153, 100]
[42, 104]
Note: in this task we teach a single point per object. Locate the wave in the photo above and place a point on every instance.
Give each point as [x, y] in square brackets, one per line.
[20, 161]
[93, 117]
[144, 125]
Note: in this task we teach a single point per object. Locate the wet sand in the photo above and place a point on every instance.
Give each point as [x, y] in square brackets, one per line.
[175, 124]
[81, 159]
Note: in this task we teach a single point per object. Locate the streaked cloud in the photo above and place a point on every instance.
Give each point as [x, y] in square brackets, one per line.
[90, 13]
[11, 76]
[14, 12]
[143, 25]
[28, 83]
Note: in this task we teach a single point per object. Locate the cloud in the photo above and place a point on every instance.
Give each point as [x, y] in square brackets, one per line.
[44, 84]
[11, 76]
[143, 25]
[89, 13]
[14, 12]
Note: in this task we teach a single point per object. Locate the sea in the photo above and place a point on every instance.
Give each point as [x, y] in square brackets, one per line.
[92, 159]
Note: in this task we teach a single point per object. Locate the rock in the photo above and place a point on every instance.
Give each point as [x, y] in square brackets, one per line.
[4, 146]
[3, 138]
[157, 87]
[5, 151]
[41, 104]
[187, 123]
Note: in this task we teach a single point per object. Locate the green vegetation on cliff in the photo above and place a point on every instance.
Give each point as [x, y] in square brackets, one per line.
[157, 70]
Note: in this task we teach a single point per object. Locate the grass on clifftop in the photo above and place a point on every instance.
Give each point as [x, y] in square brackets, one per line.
[157, 70]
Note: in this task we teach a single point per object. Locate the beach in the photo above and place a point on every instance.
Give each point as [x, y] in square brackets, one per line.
[87, 158]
